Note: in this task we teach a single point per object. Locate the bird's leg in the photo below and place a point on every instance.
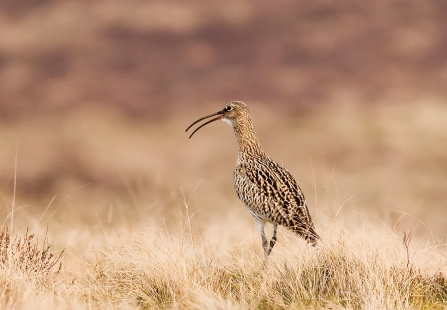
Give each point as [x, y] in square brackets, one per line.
[273, 240]
[260, 224]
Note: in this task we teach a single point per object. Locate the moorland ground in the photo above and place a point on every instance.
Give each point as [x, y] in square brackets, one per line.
[167, 229]
[95, 96]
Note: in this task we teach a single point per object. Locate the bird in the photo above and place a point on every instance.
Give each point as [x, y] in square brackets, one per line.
[269, 191]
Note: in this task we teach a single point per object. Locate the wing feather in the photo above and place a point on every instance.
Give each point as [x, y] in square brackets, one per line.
[270, 191]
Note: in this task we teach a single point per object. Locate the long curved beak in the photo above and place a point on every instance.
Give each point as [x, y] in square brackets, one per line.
[220, 116]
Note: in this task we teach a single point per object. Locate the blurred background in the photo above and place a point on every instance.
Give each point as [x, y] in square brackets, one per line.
[349, 96]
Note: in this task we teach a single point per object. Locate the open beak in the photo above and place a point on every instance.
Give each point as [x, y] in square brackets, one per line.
[219, 116]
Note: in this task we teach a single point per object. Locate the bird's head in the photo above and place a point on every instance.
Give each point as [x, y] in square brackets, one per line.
[230, 114]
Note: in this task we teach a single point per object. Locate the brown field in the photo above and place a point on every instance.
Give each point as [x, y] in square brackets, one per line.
[94, 161]
[167, 230]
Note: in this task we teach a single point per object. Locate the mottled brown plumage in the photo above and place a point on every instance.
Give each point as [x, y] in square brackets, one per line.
[269, 191]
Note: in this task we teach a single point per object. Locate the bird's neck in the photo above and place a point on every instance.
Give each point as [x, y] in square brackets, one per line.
[247, 138]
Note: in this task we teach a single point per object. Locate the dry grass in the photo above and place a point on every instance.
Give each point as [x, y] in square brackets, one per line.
[152, 231]
[352, 272]
[98, 94]
[24, 256]
[27, 269]
[149, 268]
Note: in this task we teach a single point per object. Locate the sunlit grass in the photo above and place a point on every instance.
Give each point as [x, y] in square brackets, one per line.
[352, 272]
[157, 224]
[190, 266]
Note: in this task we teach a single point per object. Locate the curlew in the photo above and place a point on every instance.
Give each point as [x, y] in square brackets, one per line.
[269, 191]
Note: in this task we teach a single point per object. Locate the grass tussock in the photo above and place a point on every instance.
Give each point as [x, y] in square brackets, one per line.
[352, 273]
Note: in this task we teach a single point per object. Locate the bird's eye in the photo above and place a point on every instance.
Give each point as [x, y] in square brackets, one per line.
[228, 108]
